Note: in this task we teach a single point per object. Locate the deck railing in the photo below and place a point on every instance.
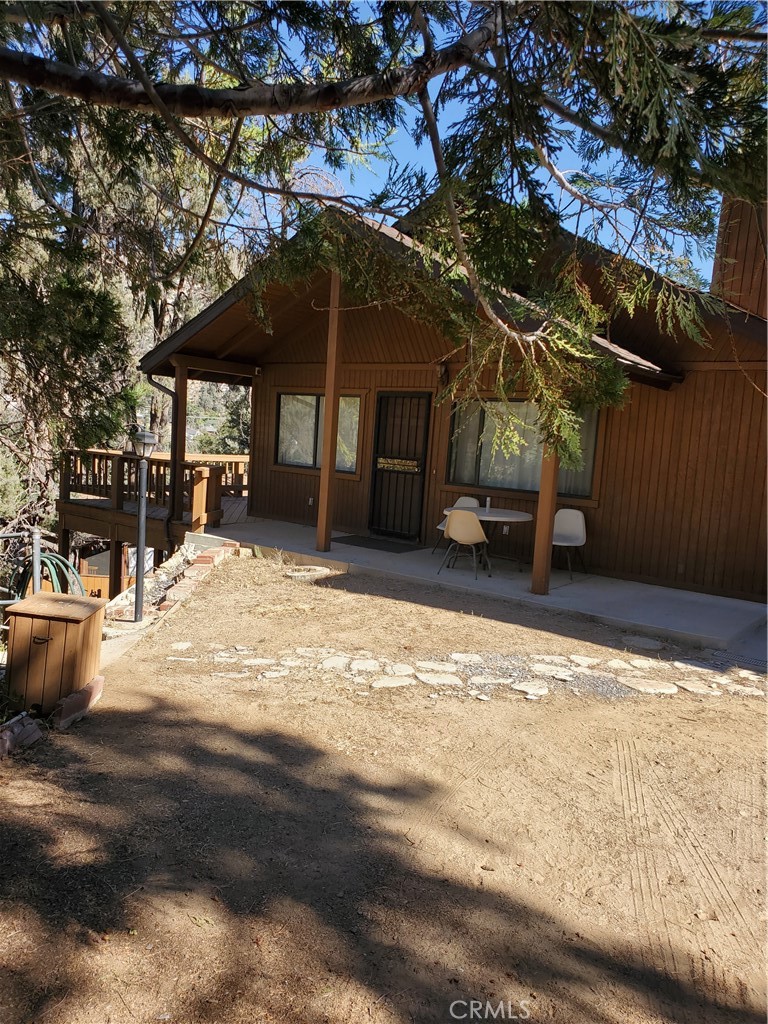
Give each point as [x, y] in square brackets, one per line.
[113, 477]
[234, 480]
[85, 472]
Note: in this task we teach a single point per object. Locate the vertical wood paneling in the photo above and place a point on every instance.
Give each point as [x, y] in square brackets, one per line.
[632, 540]
[681, 498]
[722, 507]
[50, 657]
[688, 495]
[752, 524]
[55, 657]
[715, 470]
[373, 335]
[282, 493]
[739, 273]
[658, 470]
[678, 492]
[605, 543]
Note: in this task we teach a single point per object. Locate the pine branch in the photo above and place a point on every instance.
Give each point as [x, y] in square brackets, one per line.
[198, 101]
[205, 220]
[456, 233]
[47, 13]
[737, 35]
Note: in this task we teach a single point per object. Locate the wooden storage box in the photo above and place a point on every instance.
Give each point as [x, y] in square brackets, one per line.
[54, 644]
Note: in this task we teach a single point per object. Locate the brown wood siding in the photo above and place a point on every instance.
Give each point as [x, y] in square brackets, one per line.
[679, 485]
[281, 492]
[739, 273]
[384, 336]
[682, 496]
[741, 335]
[679, 489]
[380, 335]
[679, 495]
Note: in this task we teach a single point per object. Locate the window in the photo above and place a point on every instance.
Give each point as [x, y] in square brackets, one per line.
[476, 461]
[300, 431]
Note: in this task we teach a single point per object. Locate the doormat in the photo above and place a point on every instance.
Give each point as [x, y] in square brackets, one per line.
[394, 547]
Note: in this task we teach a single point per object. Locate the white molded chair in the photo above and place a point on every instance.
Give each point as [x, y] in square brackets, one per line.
[570, 532]
[465, 501]
[464, 530]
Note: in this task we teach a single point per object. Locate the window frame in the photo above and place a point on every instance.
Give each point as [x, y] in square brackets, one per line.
[287, 467]
[590, 500]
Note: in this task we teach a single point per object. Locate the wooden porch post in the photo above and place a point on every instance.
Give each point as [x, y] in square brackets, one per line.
[330, 423]
[65, 537]
[117, 493]
[65, 477]
[198, 499]
[213, 503]
[545, 522]
[65, 542]
[116, 560]
[179, 443]
[251, 499]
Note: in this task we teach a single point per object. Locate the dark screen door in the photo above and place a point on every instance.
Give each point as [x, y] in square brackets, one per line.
[399, 458]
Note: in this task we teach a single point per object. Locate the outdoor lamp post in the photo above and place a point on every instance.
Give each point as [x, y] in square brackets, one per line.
[143, 443]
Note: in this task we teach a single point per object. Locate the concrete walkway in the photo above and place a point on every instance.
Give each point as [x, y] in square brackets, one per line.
[703, 620]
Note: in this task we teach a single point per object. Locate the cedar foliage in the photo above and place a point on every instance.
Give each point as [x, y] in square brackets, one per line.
[157, 139]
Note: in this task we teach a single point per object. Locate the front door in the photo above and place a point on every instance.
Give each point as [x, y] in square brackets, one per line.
[399, 464]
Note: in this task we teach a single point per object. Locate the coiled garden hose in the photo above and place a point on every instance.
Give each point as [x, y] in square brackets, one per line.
[64, 577]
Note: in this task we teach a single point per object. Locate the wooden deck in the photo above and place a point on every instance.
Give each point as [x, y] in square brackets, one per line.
[99, 496]
[89, 502]
[233, 510]
[90, 514]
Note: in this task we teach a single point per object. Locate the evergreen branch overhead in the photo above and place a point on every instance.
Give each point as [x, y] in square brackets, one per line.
[198, 101]
[151, 152]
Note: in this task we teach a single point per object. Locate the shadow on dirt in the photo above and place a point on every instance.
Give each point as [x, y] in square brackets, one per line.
[306, 894]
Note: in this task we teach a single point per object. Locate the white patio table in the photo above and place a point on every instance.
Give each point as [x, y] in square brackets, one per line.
[493, 515]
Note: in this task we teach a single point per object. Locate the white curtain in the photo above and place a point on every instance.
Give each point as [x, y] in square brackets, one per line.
[296, 430]
[478, 460]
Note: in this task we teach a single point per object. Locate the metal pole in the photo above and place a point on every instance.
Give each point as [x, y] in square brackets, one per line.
[141, 543]
[36, 576]
[172, 476]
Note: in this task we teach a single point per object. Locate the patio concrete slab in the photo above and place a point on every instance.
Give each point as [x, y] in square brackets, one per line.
[703, 620]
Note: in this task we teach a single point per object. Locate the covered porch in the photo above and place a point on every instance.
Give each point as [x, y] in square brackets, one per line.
[394, 466]
[682, 616]
[391, 464]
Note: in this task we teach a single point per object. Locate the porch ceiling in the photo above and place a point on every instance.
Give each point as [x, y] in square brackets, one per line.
[229, 330]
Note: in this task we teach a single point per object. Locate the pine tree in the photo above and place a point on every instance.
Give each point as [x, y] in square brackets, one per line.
[552, 126]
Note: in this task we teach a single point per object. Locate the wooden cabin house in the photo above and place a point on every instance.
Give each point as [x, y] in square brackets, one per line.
[347, 432]
[672, 486]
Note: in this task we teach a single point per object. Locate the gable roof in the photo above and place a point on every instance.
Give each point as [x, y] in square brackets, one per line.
[643, 352]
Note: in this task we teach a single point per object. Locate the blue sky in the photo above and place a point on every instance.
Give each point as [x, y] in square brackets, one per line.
[403, 149]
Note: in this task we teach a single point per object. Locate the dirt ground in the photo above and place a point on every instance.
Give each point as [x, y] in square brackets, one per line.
[218, 844]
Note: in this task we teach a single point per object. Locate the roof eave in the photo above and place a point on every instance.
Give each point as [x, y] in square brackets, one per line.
[655, 378]
[153, 359]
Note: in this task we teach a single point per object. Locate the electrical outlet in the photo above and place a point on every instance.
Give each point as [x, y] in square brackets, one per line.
[505, 529]
[310, 502]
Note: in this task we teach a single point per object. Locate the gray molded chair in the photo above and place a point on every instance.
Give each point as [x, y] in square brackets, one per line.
[465, 501]
[464, 530]
[570, 532]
